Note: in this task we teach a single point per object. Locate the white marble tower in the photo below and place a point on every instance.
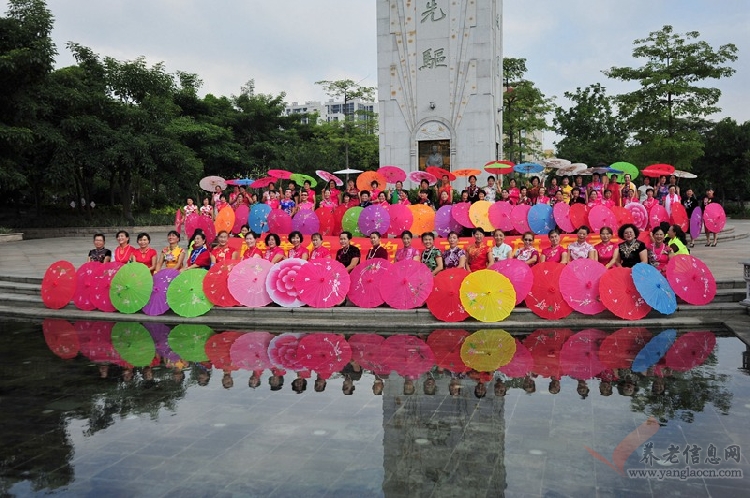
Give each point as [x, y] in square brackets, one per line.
[439, 82]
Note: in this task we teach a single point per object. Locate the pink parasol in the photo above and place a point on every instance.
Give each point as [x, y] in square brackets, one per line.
[157, 304]
[61, 338]
[407, 355]
[679, 217]
[322, 283]
[247, 282]
[696, 223]
[639, 214]
[691, 279]
[218, 349]
[460, 213]
[100, 289]
[519, 274]
[95, 339]
[374, 218]
[520, 218]
[601, 216]
[392, 174]
[444, 222]
[500, 215]
[545, 346]
[364, 290]
[579, 357]
[263, 182]
[418, 176]
[406, 284]
[281, 174]
[195, 221]
[324, 353]
[522, 363]
[279, 221]
[618, 293]
[545, 298]
[59, 284]
[656, 215]
[241, 215]
[622, 217]
[366, 352]
[280, 282]
[561, 212]
[306, 222]
[690, 350]
[325, 175]
[216, 287]
[250, 351]
[444, 301]
[283, 351]
[618, 350]
[714, 218]
[85, 277]
[401, 219]
[579, 283]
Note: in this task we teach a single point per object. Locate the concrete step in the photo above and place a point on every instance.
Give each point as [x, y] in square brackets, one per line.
[20, 279]
[729, 295]
[19, 288]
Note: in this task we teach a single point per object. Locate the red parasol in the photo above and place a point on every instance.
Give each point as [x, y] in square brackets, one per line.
[281, 174]
[280, 282]
[59, 284]
[322, 283]
[519, 274]
[500, 215]
[619, 349]
[520, 218]
[679, 217]
[618, 293]
[579, 282]
[364, 290]
[263, 182]
[250, 351]
[578, 215]
[601, 216]
[446, 346]
[440, 172]
[622, 217]
[85, 276]
[408, 355]
[444, 302]
[279, 221]
[460, 213]
[100, 289]
[195, 221]
[691, 279]
[157, 304]
[218, 349]
[579, 357]
[690, 350]
[401, 219]
[324, 353]
[545, 346]
[392, 174]
[338, 218]
[306, 222]
[366, 352]
[639, 215]
[216, 286]
[241, 215]
[696, 223]
[656, 215]
[714, 218]
[418, 176]
[364, 180]
[406, 284]
[499, 167]
[657, 170]
[522, 363]
[545, 298]
[561, 212]
[61, 338]
[283, 351]
[326, 220]
[247, 282]
[325, 175]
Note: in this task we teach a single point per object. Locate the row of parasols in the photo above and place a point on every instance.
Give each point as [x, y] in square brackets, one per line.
[550, 353]
[550, 290]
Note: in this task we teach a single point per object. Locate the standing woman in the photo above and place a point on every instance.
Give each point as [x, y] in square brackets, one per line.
[454, 256]
[407, 252]
[473, 189]
[555, 253]
[581, 248]
[513, 192]
[709, 199]
[298, 250]
[431, 256]
[99, 253]
[200, 257]
[274, 253]
[173, 255]
[335, 192]
[631, 250]
[124, 250]
[528, 254]
[144, 254]
[606, 250]
[677, 241]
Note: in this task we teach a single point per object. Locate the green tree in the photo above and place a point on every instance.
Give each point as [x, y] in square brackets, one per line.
[725, 164]
[667, 111]
[592, 131]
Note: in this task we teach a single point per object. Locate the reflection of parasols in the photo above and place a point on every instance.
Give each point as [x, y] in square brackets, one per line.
[520, 218]
[519, 274]
[499, 215]
[364, 180]
[622, 217]
[133, 343]
[327, 177]
[216, 285]
[364, 290]
[218, 349]
[258, 219]
[374, 218]
[322, 283]
[324, 353]
[185, 294]
[407, 355]
[579, 357]
[85, 276]
[209, 183]
[656, 215]
[440, 172]
[325, 220]
[401, 219]
[654, 351]
[691, 279]
[300, 179]
[579, 215]
[487, 350]
[696, 223]
[521, 364]
[160, 334]
[247, 282]
[545, 298]
[250, 351]
[418, 176]
[423, 218]
[690, 350]
[280, 282]
[157, 303]
[392, 174]
[619, 349]
[263, 182]
[541, 219]
[478, 214]
[444, 302]
[102, 282]
[528, 168]
[444, 222]
[639, 215]
[189, 341]
[350, 221]
[366, 352]
[579, 284]
[406, 284]
[446, 346]
[545, 346]
[714, 218]
[227, 218]
[499, 167]
[460, 213]
[282, 351]
[279, 221]
[280, 174]
[306, 222]
[487, 296]
[601, 216]
[618, 293]
[131, 288]
[59, 284]
[679, 217]
[61, 338]
[654, 288]
[241, 216]
[95, 339]
[561, 212]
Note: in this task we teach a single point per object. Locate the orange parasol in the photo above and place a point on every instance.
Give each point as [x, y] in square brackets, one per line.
[364, 180]
[424, 218]
[467, 172]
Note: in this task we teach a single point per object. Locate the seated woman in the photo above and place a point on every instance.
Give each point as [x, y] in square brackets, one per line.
[606, 250]
[431, 256]
[377, 251]
[124, 250]
[631, 250]
[477, 254]
[274, 253]
[249, 249]
[555, 253]
[144, 254]
[500, 250]
[528, 254]
[298, 250]
[581, 249]
[99, 253]
[222, 252]
[658, 250]
[454, 256]
[319, 250]
[173, 255]
[407, 252]
[200, 256]
[677, 241]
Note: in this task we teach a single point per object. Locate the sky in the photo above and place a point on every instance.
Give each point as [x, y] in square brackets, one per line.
[288, 45]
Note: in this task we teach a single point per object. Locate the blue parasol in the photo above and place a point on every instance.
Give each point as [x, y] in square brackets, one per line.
[528, 168]
[541, 218]
[654, 350]
[604, 170]
[654, 288]
[240, 182]
[258, 219]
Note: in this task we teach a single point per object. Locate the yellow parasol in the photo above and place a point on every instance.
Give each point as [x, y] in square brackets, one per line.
[488, 296]
[479, 215]
[488, 349]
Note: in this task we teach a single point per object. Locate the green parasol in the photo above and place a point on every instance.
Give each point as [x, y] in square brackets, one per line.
[626, 168]
[300, 179]
[131, 288]
[185, 294]
[189, 341]
[133, 343]
[350, 222]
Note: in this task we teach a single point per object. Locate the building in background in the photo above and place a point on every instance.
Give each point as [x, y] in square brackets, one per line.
[332, 111]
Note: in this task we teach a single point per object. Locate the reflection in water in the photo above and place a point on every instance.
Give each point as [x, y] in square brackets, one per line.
[445, 424]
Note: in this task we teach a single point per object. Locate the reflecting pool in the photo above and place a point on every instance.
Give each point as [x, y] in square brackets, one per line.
[105, 409]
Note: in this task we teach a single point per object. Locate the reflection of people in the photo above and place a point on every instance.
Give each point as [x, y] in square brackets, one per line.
[435, 158]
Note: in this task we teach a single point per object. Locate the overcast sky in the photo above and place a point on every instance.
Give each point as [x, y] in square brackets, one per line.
[287, 45]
